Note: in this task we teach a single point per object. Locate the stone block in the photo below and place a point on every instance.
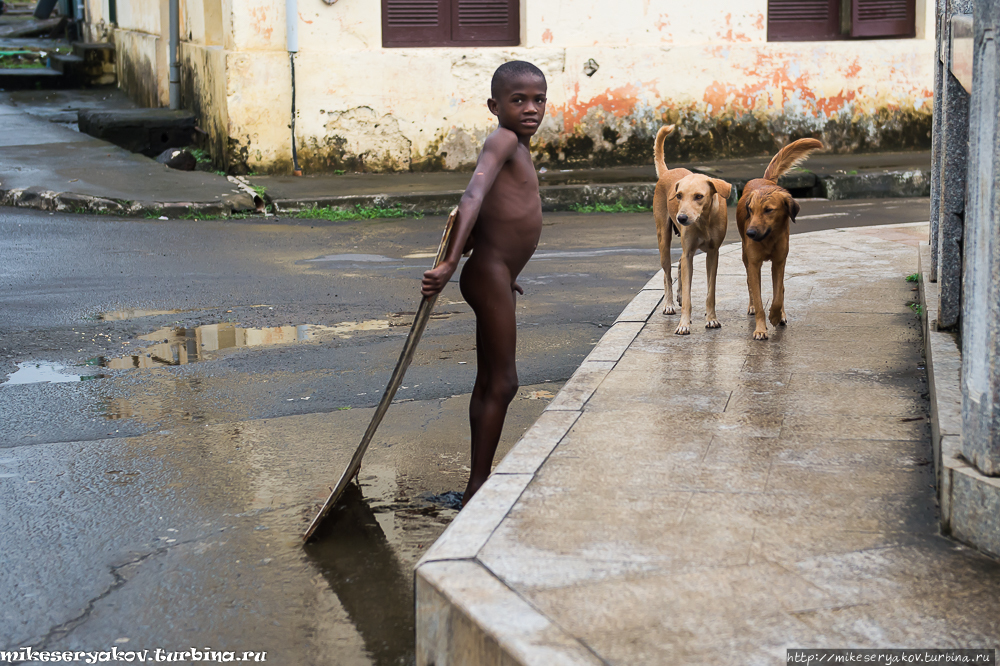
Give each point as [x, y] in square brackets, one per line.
[577, 391]
[465, 615]
[146, 131]
[981, 280]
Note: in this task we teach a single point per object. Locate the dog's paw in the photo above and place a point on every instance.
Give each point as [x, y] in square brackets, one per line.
[777, 318]
[680, 301]
[683, 330]
[760, 335]
[713, 323]
[669, 310]
[751, 310]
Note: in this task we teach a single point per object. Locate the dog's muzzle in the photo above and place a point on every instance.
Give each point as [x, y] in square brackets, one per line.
[683, 219]
[753, 234]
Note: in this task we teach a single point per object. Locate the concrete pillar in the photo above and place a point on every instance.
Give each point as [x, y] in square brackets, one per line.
[981, 315]
[940, 70]
[953, 156]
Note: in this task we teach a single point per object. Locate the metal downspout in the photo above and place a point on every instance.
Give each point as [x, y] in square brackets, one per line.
[173, 56]
[292, 44]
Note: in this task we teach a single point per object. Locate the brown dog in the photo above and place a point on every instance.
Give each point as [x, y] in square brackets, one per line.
[762, 216]
[694, 207]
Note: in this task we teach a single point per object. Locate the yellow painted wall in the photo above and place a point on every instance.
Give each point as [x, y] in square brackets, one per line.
[705, 65]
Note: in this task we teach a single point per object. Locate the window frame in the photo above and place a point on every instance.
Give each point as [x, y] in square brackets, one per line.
[844, 22]
[444, 33]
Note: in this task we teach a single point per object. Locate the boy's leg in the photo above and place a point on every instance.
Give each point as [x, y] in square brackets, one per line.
[492, 299]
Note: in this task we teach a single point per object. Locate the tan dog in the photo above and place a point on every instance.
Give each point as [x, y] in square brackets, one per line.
[694, 207]
[762, 216]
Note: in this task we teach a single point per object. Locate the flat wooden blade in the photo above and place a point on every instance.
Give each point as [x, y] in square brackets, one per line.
[409, 348]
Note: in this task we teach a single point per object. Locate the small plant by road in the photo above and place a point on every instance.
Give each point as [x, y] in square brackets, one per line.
[357, 213]
[915, 277]
[617, 207]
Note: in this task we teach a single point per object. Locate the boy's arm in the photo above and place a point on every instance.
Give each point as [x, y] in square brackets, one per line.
[498, 148]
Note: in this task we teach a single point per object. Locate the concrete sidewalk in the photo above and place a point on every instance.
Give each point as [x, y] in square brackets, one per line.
[45, 163]
[709, 499]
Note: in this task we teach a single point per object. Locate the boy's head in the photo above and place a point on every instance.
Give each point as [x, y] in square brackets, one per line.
[518, 97]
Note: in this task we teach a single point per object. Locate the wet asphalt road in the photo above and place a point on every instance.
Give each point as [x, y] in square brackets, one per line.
[160, 505]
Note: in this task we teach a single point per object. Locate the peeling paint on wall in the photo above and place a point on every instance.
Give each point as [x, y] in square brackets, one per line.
[713, 73]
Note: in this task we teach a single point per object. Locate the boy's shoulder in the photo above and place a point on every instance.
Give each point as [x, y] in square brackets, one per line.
[501, 140]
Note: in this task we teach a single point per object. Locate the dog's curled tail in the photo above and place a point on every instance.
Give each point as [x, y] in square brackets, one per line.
[789, 156]
[661, 136]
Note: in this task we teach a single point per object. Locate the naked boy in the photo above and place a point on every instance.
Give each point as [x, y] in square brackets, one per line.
[500, 217]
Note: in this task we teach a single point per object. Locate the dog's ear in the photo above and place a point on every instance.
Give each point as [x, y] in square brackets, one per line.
[793, 207]
[673, 192]
[722, 187]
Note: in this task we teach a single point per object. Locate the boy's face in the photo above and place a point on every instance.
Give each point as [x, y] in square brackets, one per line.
[520, 106]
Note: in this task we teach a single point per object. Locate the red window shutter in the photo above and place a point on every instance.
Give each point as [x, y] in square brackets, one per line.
[803, 20]
[883, 18]
[486, 22]
[416, 22]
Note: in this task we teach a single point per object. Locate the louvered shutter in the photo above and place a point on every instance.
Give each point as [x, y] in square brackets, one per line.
[485, 22]
[416, 22]
[802, 20]
[883, 18]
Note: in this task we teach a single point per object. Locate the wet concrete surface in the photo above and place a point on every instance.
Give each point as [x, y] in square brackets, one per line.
[162, 501]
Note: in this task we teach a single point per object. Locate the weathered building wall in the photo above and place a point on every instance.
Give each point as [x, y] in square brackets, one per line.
[706, 66]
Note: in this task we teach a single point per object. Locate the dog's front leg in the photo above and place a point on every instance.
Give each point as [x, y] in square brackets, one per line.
[777, 315]
[712, 267]
[668, 279]
[753, 284]
[686, 270]
[746, 265]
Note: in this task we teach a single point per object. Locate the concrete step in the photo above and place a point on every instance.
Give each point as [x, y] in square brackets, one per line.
[31, 77]
[67, 64]
[94, 51]
[146, 131]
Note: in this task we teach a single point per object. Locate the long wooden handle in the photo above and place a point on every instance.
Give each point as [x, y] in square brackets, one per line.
[409, 348]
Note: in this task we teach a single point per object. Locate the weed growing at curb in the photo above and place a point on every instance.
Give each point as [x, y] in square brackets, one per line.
[617, 207]
[359, 212]
[200, 155]
[915, 277]
[918, 308]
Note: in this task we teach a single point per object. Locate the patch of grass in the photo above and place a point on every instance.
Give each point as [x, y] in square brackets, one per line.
[617, 207]
[342, 409]
[260, 190]
[915, 277]
[339, 172]
[154, 214]
[357, 213]
[918, 308]
[200, 155]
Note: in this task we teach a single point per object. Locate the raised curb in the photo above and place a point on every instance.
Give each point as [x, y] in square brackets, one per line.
[467, 615]
[883, 185]
[970, 501]
[68, 202]
[554, 197]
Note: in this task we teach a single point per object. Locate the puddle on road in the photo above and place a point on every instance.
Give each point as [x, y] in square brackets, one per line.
[181, 346]
[122, 315]
[45, 372]
[354, 258]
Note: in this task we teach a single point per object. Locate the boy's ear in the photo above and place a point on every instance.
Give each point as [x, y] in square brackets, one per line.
[722, 187]
[491, 104]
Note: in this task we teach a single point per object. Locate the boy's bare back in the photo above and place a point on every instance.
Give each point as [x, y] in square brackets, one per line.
[500, 218]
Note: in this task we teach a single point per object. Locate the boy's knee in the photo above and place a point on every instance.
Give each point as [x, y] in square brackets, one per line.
[506, 388]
